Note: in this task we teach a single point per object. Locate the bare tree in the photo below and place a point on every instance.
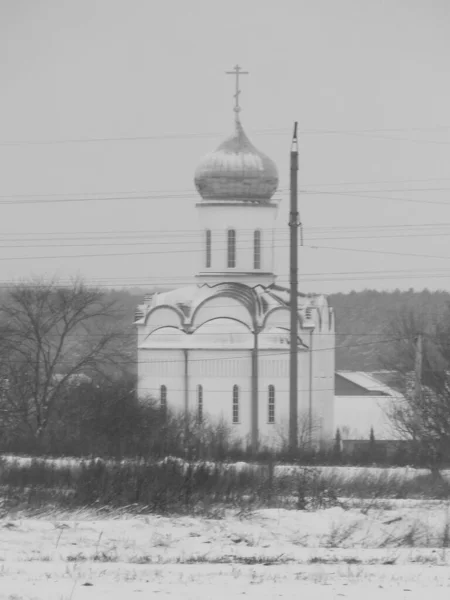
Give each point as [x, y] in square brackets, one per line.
[49, 336]
[423, 417]
[308, 433]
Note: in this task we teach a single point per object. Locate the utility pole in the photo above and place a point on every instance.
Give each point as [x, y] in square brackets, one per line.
[418, 367]
[294, 223]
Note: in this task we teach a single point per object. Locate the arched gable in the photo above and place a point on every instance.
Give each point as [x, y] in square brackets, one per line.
[279, 316]
[277, 338]
[223, 332]
[220, 307]
[167, 335]
[163, 315]
[233, 301]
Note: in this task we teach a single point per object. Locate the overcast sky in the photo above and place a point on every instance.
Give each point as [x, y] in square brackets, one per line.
[367, 81]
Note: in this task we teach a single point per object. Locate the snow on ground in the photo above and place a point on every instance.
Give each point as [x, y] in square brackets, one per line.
[209, 582]
[386, 549]
[395, 552]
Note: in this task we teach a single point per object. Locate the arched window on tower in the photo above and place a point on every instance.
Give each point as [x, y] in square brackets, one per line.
[235, 404]
[257, 249]
[208, 248]
[163, 399]
[231, 249]
[200, 404]
[271, 405]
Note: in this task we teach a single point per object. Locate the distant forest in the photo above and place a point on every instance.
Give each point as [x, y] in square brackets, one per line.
[359, 315]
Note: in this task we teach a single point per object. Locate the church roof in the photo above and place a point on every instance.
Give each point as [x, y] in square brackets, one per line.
[236, 171]
[194, 305]
[368, 382]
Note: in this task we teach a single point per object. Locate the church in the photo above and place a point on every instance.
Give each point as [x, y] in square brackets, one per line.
[219, 348]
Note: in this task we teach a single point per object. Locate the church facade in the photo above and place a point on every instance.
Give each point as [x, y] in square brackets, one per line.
[219, 348]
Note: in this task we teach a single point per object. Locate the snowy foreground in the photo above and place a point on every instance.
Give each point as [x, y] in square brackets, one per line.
[395, 549]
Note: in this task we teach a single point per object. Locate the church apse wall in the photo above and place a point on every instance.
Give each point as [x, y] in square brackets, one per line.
[226, 379]
[159, 368]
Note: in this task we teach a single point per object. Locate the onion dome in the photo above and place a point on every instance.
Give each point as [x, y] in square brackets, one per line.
[237, 171]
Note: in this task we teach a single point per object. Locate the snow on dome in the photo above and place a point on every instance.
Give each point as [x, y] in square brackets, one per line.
[237, 171]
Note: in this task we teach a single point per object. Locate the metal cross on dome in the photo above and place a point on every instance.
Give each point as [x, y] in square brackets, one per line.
[237, 71]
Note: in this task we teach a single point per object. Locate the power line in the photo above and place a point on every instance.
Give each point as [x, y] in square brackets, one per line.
[241, 356]
[397, 139]
[24, 199]
[124, 285]
[190, 191]
[184, 251]
[180, 234]
[196, 135]
[379, 252]
[106, 242]
[372, 197]
[349, 306]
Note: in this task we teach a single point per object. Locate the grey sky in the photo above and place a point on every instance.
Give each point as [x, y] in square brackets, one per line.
[110, 68]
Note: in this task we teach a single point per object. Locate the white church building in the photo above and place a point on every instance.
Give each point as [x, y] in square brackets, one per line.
[219, 348]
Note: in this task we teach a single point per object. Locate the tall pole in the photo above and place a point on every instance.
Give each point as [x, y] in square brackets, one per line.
[418, 368]
[294, 223]
[254, 415]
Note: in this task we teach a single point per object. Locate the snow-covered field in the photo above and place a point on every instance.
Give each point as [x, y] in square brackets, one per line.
[381, 548]
[396, 550]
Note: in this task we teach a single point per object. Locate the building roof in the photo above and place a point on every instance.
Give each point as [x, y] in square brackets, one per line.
[259, 301]
[229, 313]
[368, 382]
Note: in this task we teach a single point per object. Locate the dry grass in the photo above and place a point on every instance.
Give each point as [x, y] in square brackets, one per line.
[176, 486]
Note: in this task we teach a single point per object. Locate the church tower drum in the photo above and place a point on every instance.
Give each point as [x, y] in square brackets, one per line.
[236, 212]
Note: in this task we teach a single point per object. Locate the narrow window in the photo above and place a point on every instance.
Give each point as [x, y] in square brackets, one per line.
[271, 415]
[200, 404]
[231, 248]
[257, 249]
[163, 399]
[235, 404]
[208, 248]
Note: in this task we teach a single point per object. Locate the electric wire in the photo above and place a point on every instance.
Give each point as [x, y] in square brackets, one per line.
[32, 200]
[238, 356]
[174, 236]
[184, 251]
[106, 242]
[196, 135]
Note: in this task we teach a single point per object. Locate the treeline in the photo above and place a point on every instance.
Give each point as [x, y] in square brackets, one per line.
[361, 314]
[104, 418]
